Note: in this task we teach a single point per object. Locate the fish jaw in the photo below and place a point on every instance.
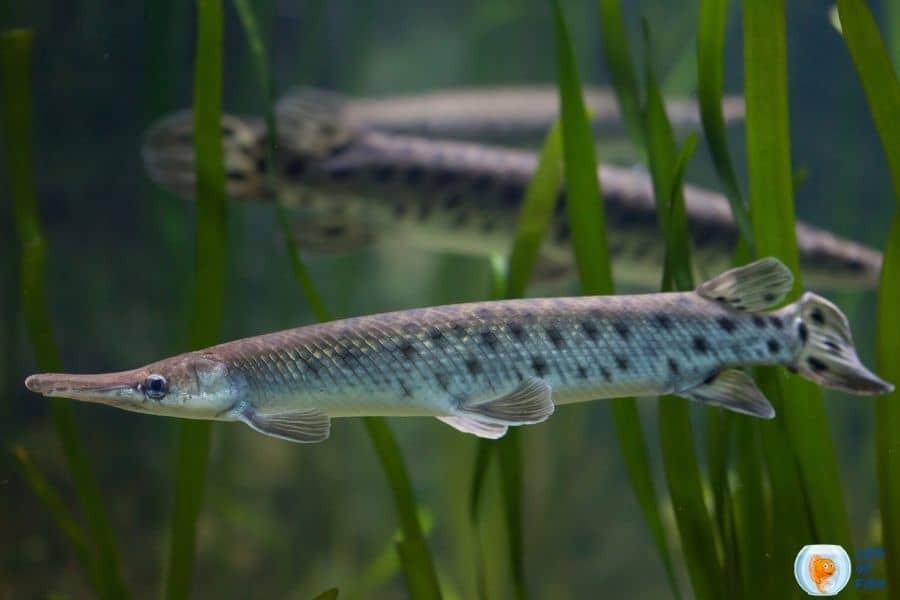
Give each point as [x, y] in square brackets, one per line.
[113, 389]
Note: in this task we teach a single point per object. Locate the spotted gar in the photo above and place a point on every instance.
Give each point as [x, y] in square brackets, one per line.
[484, 366]
[355, 186]
[509, 114]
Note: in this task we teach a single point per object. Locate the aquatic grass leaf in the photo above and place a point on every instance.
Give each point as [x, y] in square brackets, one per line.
[330, 594]
[65, 521]
[587, 223]
[682, 469]
[208, 297]
[418, 566]
[802, 419]
[880, 83]
[892, 20]
[710, 89]
[617, 57]
[15, 74]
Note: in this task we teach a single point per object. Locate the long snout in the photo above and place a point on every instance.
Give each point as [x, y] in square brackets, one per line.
[104, 388]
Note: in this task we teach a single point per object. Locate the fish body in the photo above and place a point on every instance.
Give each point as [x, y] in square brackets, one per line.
[511, 114]
[359, 186]
[820, 571]
[484, 366]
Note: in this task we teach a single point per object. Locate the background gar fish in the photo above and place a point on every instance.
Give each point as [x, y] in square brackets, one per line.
[484, 366]
[358, 186]
[509, 114]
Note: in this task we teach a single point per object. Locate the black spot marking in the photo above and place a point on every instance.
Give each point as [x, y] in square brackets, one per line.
[481, 183]
[802, 332]
[311, 365]
[833, 347]
[816, 365]
[721, 299]
[415, 175]
[237, 176]
[606, 374]
[673, 366]
[334, 231]
[489, 339]
[622, 330]
[443, 381]
[582, 372]
[664, 321]
[539, 366]
[410, 328]
[759, 321]
[710, 378]
[295, 168]
[854, 265]
[452, 202]
[727, 325]
[407, 349]
[791, 368]
[384, 173]
[510, 195]
[446, 178]
[555, 337]
[437, 336]
[345, 354]
[516, 330]
[769, 297]
[473, 365]
[701, 346]
[817, 317]
[621, 362]
[773, 346]
[776, 322]
[459, 330]
[590, 330]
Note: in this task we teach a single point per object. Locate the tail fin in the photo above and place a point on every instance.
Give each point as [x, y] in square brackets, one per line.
[168, 153]
[827, 355]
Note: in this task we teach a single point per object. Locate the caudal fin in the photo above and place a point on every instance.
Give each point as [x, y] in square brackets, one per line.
[827, 355]
[168, 153]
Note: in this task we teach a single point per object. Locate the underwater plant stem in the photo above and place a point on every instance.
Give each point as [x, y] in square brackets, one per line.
[418, 566]
[15, 72]
[192, 437]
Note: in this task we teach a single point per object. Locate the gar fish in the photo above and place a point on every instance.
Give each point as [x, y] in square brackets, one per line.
[484, 366]
[509, 114]
[356, 186]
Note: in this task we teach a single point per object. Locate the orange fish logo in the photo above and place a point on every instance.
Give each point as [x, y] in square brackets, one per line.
[820, 571]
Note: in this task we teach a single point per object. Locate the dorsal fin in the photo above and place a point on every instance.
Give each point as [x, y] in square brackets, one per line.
[754, 287]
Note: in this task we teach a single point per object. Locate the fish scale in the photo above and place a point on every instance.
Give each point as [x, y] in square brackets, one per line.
[484, 366]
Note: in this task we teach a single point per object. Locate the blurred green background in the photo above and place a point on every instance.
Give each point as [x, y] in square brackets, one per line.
[288, 521]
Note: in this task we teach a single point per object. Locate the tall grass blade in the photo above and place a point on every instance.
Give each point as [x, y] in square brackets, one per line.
[679, 454]
[710, 89]
[15, 70]
[331, 594]
[892, 19]
[418, 566]
[802, 419]
[879, 80]
[208, 298]
[53, 503]
[617, 57]
[587, 222]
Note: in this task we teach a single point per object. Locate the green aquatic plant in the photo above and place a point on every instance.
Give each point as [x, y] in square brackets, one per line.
[418, 566]
[880, 83]
[208, 300]
[99, 557]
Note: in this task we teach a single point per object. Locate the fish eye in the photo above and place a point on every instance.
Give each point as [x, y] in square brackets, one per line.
[155, 386]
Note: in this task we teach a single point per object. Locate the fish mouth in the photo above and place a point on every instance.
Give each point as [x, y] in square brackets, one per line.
[108, 388]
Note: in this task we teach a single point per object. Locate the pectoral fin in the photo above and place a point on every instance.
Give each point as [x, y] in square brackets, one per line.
[733, 390]
[490, 431]
[308, 426]
[529, 403]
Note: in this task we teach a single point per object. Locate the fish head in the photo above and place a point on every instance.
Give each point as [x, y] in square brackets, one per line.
[190, 385]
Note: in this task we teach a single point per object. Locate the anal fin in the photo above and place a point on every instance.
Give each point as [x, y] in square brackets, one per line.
[529, 403]
[307, 426]
[490, 431]
[733, 390]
